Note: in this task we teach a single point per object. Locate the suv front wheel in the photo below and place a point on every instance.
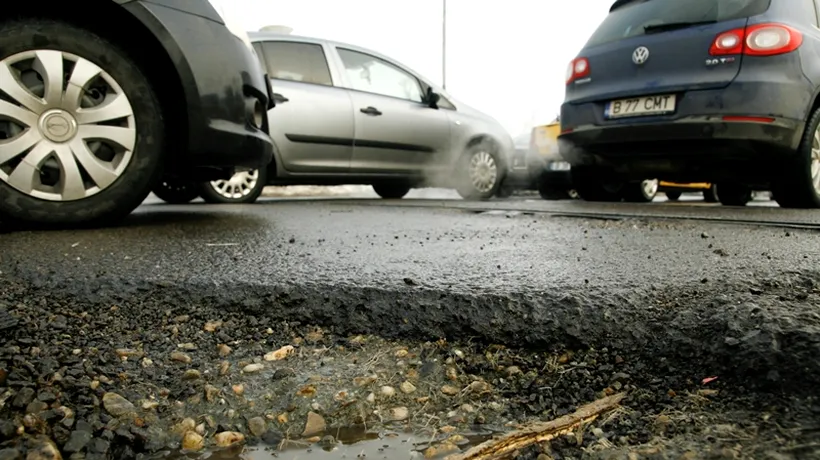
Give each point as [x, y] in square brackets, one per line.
[798, 185]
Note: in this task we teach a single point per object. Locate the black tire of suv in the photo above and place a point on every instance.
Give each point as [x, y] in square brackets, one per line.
[175, 191]
[730, 194]
[133, 186]
[393, 191]
[211, 196]
[589, 183]
[464, 187]
[793, 188]
[673, 195]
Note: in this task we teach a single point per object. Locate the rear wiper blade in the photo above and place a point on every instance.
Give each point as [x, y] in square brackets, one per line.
[674, 26]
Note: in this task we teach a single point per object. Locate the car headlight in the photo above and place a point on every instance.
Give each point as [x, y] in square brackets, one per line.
[231, 23]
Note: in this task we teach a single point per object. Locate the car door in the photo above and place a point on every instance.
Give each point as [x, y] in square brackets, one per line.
[312, 123]
[395, 132]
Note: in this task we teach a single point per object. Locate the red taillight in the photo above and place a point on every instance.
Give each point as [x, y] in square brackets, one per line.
[578, 68]
[757, 40]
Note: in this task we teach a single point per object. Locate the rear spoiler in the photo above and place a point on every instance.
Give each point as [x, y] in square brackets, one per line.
[622, 3]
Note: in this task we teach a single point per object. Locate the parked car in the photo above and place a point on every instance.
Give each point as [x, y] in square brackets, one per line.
[349, 115]
[550, 170]
[718, 91]
[519, 177]
[94, 113]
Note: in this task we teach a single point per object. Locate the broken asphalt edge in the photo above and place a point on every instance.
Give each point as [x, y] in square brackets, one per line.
[764, 333]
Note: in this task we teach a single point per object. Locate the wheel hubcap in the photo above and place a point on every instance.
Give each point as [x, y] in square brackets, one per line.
[67, 129]
[650, 187]
[238, 186]
[483, 171]
[815, 161]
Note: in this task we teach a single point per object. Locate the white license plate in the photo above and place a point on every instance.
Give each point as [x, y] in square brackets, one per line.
[559, 166]
[640, 106]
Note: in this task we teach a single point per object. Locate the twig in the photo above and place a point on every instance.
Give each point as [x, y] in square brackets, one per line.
[504, 446]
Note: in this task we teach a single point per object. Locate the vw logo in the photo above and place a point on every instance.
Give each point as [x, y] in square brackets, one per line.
[640, 55]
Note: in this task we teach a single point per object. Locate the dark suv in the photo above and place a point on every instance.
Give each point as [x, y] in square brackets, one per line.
[720, 91]
[101, 101]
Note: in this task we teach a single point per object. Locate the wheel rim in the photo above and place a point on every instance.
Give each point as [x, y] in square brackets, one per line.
[67, 129]
[483, 171]
[815, 161]
[238, 186]
[650, 187]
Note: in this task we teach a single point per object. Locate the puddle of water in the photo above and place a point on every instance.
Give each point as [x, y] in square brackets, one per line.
[354, 443]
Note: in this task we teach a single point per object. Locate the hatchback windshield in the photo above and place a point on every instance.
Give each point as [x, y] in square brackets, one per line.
[639, 17]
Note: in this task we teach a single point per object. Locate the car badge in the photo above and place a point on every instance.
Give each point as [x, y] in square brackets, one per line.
[640, 55]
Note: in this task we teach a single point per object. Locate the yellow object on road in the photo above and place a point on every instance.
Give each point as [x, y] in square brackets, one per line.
[685, 186]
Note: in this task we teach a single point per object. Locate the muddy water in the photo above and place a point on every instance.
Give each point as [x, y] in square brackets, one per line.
[348, 443]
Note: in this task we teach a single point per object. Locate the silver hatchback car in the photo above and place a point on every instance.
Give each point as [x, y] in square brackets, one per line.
[348, 115]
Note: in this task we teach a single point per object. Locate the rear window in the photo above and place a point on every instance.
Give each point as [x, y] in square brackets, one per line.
[628, 18]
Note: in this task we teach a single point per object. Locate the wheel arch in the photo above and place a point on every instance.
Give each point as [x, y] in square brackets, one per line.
[133, 34]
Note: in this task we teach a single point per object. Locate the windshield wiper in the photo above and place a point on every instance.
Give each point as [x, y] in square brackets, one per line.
[674, 26]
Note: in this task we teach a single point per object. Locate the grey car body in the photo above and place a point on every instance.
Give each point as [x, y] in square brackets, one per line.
[349, 115]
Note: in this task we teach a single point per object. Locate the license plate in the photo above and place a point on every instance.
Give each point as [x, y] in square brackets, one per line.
[640, 106]
[559, 166]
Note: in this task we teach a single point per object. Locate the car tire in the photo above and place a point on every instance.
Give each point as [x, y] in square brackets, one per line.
[710, 195]
[244, 187]
[641, 192]
[733, 194]
[673, 195]
[89, 167]
[175, 191]
[592, 184]
[392, 191]
[480, 171]
[798, 184]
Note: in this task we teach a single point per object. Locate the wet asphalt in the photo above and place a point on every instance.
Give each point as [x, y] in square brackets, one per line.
[667, 281]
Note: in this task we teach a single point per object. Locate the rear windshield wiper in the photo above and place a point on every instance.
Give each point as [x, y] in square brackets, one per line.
[674, 26]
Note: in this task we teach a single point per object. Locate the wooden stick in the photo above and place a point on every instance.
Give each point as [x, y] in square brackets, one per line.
[503, 447]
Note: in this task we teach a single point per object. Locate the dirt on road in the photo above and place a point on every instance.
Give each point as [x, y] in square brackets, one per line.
[95, 380]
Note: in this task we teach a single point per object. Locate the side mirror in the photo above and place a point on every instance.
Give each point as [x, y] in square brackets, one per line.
[432, 98]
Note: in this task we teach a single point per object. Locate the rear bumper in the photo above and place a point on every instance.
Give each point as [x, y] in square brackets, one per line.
[692, 136]
[223, 83]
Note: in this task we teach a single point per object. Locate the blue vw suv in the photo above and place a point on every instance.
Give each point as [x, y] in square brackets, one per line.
[720, 91]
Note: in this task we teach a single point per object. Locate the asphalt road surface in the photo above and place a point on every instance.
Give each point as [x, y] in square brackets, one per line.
[517, 269]
[728, 291]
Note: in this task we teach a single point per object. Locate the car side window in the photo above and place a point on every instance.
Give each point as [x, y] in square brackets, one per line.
[295, 61]
[373, 75]
[816, 12]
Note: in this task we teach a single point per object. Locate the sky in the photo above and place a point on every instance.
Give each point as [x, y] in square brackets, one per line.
[506, 58]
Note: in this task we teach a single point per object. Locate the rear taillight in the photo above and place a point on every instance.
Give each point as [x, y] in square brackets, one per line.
[578, 68]
[757, 40]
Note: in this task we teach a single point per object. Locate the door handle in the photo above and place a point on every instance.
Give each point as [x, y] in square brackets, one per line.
[371, 111]
[278, 98]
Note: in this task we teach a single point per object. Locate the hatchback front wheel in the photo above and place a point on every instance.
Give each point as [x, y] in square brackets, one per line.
[244, 187]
